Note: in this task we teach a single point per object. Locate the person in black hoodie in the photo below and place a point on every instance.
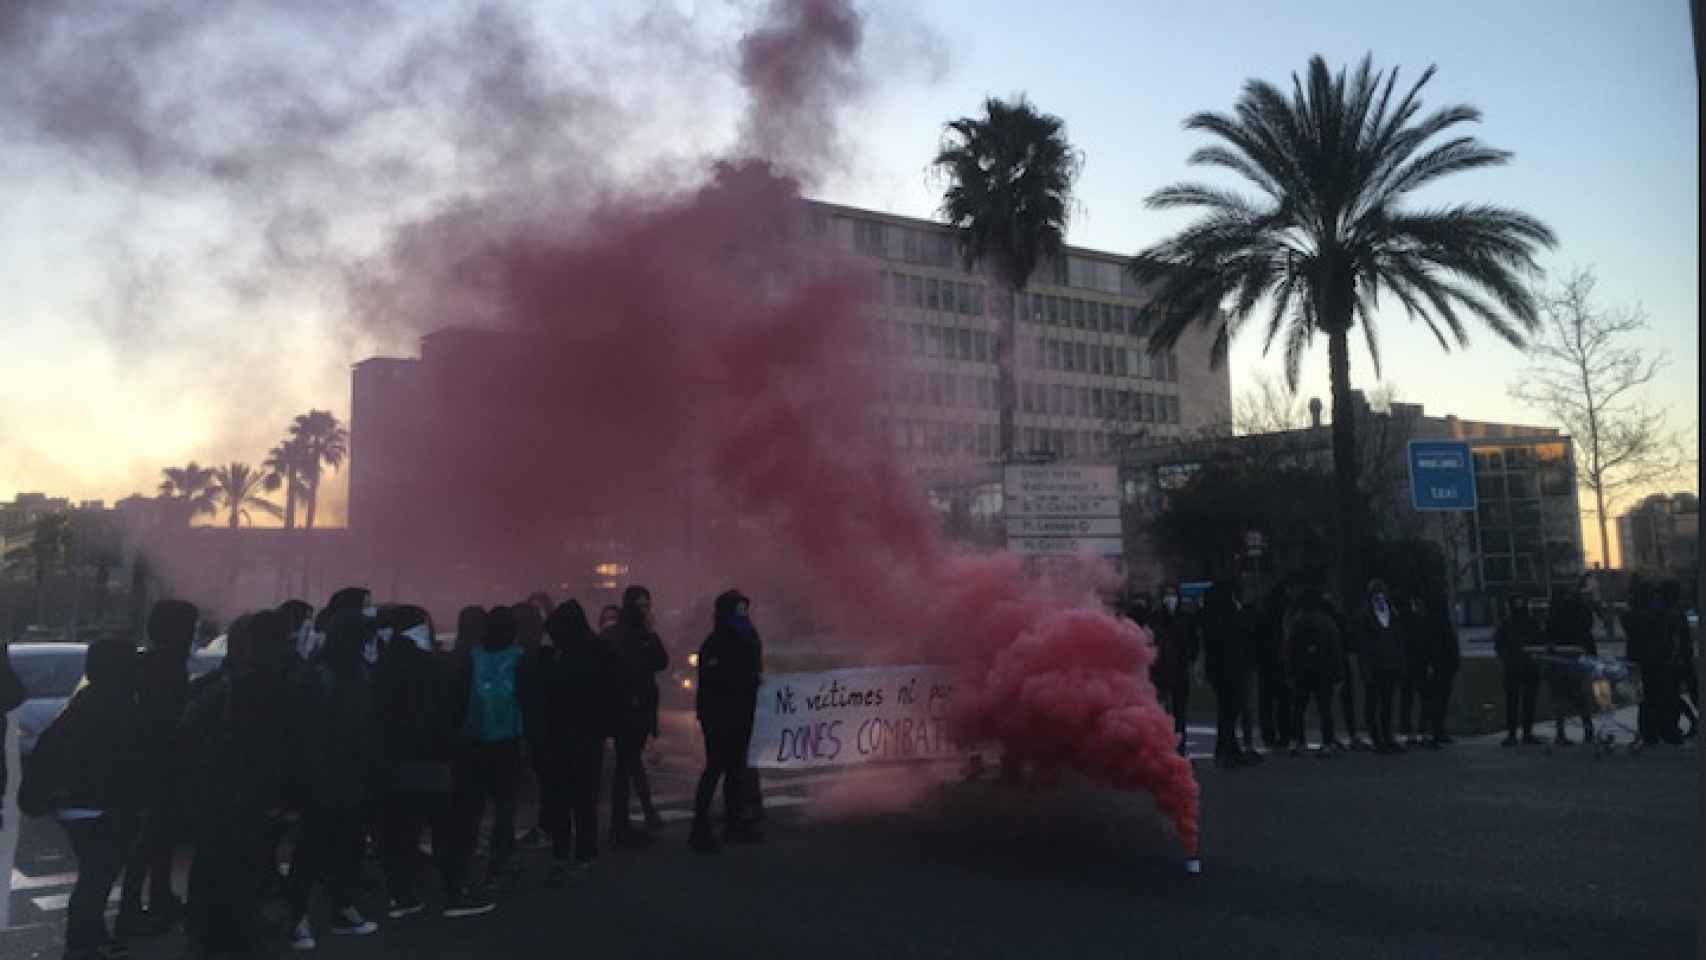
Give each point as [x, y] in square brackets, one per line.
[580, 711]
[1175, 655]
[1228, 656]
[1312, 658]
[1417, 680]
[1569, 633]
[1349, 674]
[343, 753]
[418, 725]
[162, 696]
[87, 767]
[639, 656]
[1273, 698]
[726, 700]
[1444, 656]
[242, 735]
[1514, 640]
[1384, 657]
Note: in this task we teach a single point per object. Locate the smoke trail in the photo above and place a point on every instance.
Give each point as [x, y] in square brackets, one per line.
[719, 332]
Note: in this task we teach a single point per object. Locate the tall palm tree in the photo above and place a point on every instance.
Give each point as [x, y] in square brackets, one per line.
[237, 489]
[325, 443]
[1329, 231]
[1009, 175]
[284, 465]
[190, 489]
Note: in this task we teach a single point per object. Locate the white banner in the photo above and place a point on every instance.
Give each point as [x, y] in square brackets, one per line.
[843, 717]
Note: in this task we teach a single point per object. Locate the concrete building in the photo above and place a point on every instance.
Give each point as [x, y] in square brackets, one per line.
[1525, 534]
[1661, 534]
[1082, 330]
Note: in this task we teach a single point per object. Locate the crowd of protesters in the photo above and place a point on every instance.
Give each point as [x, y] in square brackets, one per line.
[325, 737]
[1268, 663]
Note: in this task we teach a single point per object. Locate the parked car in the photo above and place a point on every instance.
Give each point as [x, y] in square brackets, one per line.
[52, 672]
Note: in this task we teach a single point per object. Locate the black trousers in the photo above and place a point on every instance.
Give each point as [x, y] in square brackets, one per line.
[233, 853]
[1175, 688]
[1273, 705]
[726, 746]
[149, 864]
[407, 814]
[550, 775]
[1320, 689]
[579, 760]
[100, 845]
[1413, 692]
[1439, 699]
[630, 774]
[1662, 701]
[492, 774]
[1230, 706]
[1348, 678]
[1522, 687]
[1377, 703]
[327, 855]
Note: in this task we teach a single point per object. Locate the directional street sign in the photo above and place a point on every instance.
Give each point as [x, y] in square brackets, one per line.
[1442, 475]
[1059, 510]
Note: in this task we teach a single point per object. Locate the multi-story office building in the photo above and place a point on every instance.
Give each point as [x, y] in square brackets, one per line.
[1082, 349]
[1661, 534]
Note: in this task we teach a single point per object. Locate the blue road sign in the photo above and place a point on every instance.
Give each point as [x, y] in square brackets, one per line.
[1442, 475]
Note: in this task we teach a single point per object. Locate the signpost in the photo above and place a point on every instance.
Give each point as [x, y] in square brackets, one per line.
[1442, 475]
[1063, 510]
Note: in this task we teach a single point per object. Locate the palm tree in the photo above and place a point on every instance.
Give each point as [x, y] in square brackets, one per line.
[1009, 175]
[236, 488]
[324, 443]
[1329, 231]
[284, 465]
[190, 489]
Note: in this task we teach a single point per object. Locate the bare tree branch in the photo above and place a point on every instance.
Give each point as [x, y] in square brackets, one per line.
[1585, 375]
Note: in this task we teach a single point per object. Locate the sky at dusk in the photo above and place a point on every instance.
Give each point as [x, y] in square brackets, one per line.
[155, 313]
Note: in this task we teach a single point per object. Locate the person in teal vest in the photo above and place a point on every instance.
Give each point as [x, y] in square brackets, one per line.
[494, 731]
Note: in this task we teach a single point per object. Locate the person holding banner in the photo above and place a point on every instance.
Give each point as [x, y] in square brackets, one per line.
[726, 701]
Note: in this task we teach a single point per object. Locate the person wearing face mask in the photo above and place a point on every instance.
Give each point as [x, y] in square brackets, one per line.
[1228, 657]
[638, 656]
[581, 702]
[414, 697]
[1383, 660]
[344, 755]
[1176, 653]
[163, 694]
[86, 771]
[726, 700]
[1312, 660]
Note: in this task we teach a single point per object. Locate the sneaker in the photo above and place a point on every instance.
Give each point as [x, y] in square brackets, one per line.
[1296, 751]
[1530, 740]
[1509, 741]
[404, 908]
[653, 821]
[1250, 758]
[302, 936]
[1322, 753]
[350, 923]
[469, 903]
[1446, 739]
[1359, 744]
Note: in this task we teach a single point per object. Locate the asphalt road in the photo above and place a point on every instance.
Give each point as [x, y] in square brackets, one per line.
[1475, 851]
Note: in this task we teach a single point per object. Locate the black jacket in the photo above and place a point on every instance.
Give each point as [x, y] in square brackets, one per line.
[532, 673]
[1176, 646]
[730, 666]
[1570, 623]
[344, 751]
[1312, 648]
[418, 718]
[637, 656]
[1226, 639]
[1515, 638]
[581, 688]
[92, 756]
[1383, 646]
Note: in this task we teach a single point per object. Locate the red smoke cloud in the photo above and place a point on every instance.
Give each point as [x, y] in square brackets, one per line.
[709, 341]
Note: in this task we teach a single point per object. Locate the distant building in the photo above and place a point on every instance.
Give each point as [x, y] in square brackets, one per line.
[1661, 534]
[1524, 536]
